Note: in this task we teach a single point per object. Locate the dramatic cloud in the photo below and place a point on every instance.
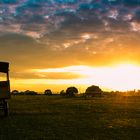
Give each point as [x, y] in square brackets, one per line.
[57, 33]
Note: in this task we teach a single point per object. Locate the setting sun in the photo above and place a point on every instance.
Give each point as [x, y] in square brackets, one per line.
[119, 77]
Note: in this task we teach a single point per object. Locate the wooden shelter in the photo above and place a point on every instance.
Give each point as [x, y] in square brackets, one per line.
[4, 87]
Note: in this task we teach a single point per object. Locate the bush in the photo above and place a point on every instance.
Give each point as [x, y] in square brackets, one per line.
[48, 92]
[62, 93]
[28, 92]
[71, 91]
[93, 91]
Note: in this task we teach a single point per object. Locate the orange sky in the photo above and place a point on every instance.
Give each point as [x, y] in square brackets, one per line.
[53, 44]
[121, 77]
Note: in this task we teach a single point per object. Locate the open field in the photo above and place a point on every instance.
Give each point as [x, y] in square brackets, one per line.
[59, 118]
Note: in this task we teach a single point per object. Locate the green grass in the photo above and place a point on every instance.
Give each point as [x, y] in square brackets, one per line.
[58, 118]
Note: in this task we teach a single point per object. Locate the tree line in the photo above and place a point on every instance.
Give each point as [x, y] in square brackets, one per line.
[91, 91]
[70, 92]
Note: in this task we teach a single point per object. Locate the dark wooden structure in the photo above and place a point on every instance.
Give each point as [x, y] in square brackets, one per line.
[4, 88]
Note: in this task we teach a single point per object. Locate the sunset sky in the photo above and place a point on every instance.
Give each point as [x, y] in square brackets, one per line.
[59, 43]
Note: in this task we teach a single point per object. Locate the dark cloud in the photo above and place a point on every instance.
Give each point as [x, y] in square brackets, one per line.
[25, 53]
[56, 15]
[137, 16]
[91, 6]
[112, 2]
[131, 3]
[8, 1]
[21, 50]
[117, 25]
[57, 33]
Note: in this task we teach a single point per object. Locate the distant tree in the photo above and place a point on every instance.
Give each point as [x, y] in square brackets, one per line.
[22, 93]
[138, 92]
[62, 93]
[48, 92]
[28, 92]
[15, 92]
[71, 91]
[93, 91]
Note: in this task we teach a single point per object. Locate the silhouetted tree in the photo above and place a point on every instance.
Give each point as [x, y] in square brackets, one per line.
[62, 93]
[28, 92]
[71, 91]
[93, 91]
[15, 92]
[48, 92]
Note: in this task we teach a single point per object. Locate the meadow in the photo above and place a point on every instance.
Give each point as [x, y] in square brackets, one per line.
[40, 117]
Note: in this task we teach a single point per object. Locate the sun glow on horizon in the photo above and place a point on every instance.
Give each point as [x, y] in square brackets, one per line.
[120, 77]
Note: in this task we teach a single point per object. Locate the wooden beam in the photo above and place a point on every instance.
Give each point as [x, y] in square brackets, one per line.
[4, 67]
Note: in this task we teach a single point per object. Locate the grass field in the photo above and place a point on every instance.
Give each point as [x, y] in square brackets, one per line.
[59, 118]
